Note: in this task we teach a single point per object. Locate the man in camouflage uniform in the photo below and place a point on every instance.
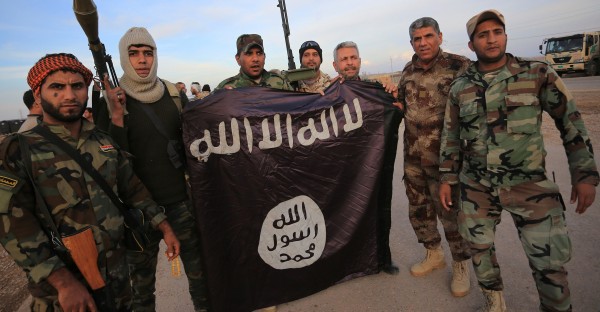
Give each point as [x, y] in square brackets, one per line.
[492, 145]
[251, 58]
[162, 172]
[423, 89]
[311, 56]
[73, 199]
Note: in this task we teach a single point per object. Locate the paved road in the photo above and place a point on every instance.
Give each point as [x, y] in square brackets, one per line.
[583, 83]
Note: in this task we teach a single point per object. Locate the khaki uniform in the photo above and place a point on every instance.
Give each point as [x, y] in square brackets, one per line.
[424, 92]
[492, 143]
[319, 84]
[75, 202]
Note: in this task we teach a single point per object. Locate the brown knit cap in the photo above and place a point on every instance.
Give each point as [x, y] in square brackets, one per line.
[53, 62]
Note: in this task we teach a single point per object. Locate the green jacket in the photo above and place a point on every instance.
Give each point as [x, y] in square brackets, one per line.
[492, 132]
[267, 79]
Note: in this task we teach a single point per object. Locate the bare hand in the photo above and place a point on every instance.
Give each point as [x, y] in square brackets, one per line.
[399, 105]
[117, 100]
[392, 89]
[584, 194]
[173, 245]
[72, 295]
[446, 196]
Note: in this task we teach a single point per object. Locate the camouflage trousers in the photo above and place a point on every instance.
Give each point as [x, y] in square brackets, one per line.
[142, 266]
[537, 210]
[424, 209]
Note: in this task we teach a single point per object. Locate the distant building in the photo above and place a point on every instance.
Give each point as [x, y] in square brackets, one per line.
[387, 78]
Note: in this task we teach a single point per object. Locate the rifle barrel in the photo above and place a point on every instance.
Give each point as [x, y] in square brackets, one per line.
[286, 33]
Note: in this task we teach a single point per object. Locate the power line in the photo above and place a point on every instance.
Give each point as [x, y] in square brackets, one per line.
[552, 19]
[557, 34]
[535, 36]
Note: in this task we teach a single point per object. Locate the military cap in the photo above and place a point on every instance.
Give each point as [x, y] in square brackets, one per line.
[247, 41]
[483, 16]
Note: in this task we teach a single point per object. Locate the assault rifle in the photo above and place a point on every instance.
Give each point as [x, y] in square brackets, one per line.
[292, 74]
[87, 16]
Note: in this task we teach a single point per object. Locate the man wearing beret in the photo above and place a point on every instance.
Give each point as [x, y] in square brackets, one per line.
[492, 147]
[311, 56]
[251, 58]
[73, 200]
[143, 115]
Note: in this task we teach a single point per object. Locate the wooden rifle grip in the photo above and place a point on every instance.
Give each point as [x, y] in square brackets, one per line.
[82, 248]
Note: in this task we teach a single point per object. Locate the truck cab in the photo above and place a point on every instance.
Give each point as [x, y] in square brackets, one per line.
[574, 53]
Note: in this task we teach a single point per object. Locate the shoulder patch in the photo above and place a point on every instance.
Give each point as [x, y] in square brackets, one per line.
[7, 181]
[10, 182]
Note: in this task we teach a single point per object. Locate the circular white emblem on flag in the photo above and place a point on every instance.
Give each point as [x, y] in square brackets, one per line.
[293, 234]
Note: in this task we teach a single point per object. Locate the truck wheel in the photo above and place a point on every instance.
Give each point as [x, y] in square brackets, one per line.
[592, 70]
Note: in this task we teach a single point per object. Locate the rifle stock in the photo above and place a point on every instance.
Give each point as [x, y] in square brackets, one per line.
[82, 248]
[83, 252]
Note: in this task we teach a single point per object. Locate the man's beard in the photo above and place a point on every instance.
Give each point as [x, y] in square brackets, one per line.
[55, 113]
[315, 67]
[347, 76]
[490, 60]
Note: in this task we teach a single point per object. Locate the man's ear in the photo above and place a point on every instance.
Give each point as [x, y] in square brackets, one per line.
[237, 59]
[37, 95]
[471, 46]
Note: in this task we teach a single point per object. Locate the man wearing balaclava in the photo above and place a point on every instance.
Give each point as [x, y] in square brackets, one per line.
[143, 115]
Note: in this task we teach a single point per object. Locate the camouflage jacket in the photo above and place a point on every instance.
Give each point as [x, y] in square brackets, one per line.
[496, 127]
[424, 92]
[315, 86]
[268, 79]
[73, 198]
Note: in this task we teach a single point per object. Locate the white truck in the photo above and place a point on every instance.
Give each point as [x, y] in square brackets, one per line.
[577, 53]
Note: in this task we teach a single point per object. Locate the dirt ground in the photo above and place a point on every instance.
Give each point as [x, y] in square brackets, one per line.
[13, 290]
[13, 283]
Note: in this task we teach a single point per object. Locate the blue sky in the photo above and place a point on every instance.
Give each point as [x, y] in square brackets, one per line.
[196, 39]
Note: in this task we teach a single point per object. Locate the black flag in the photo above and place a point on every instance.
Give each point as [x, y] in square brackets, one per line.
[291, 190]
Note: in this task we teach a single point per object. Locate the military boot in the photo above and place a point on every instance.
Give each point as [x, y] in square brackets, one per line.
[433, 260]
[461, 281]
[494, 301]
